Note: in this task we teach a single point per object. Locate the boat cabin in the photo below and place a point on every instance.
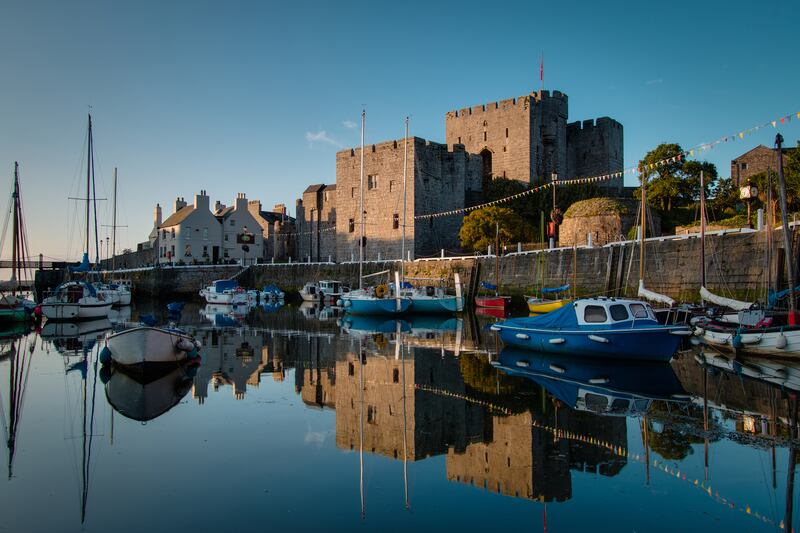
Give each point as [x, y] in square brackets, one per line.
[222, 285]
[596, 311]
[606, 403]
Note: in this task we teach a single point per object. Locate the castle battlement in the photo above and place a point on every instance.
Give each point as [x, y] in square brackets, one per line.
[397, 144]
[488, 107]
[602, 122]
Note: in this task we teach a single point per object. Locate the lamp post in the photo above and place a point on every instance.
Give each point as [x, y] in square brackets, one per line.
[748, 193]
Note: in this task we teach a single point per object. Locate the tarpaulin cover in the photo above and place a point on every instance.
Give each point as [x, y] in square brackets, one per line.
[549, 290]
[488, 286]
[563, 317]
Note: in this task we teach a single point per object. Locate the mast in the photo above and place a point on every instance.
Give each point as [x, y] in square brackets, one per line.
[88, 181]
[94, 204]
[642, 228]
[15, 234]
[361, 207]
[787, 239]
[114, 224]
[497, 258]
[361, 425]
[405, 177]
[702, 231]
[405, 426]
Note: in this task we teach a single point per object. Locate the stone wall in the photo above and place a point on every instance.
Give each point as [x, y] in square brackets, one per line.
[138, 259]
[316, 218]
[604, 229]
[758, 160]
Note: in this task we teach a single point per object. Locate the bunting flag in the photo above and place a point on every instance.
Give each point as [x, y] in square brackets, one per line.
[614, 175]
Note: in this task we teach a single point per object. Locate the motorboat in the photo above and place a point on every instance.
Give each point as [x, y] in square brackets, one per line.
[495, 301]
[605, 327]
[325, 290]
[75, 300]
[767, 337]
[434, 299]
[146, 345]
[226, 292]
[118, 295]
[271, 293]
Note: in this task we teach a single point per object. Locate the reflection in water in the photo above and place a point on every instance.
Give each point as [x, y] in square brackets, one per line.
[19, 355]
[537, 427]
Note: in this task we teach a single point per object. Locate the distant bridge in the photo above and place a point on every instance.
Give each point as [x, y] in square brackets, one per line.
[37, 265]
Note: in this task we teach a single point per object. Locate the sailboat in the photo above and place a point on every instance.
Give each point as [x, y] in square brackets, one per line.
[118, 292]
[13, 307]
[494, 301]
[384, 298]
[79, 300]
[541, 304]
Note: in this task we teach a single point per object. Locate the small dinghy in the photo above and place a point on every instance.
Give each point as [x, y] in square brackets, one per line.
[605, 327]
[540, 304]
[147, 345]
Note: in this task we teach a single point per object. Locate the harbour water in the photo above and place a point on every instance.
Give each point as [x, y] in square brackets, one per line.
[301, 419]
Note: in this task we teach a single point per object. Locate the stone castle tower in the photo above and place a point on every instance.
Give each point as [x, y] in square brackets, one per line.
[529, 139]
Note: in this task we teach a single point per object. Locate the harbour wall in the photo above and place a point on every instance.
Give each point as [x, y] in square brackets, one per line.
[735, 267]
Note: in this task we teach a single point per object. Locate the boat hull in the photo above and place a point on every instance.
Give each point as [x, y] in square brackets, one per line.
[448, 304]
[499, 302]
[75, 311]
[758, 342]
[148, 345]
[377, 306]
[545, 306]
[14, 314]
[658, 343]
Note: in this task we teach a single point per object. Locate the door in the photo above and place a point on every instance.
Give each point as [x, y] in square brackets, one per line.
[215, 254]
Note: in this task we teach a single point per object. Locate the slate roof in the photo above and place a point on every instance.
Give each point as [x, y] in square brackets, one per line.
[176, 218]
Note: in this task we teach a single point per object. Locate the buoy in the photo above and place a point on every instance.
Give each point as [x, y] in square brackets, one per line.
[105, 356]
[736, 340]
[781, 342]
[185, 345]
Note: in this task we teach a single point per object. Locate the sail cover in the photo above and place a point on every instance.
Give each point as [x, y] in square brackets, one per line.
[654, 296]
[730, 303]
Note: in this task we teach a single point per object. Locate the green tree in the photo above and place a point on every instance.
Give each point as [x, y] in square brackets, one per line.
[675, 183]
[479, 227]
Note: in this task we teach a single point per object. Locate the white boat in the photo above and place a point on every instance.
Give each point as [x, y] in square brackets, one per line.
[226, 292]
[271, 293]
[433, 299]
[323, 290]
[146, 345]
[775, 340]
[75, 300]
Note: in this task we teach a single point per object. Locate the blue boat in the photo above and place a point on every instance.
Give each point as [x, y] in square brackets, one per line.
[365, 304]
[604, 327]
[434, 299]
[616, 387]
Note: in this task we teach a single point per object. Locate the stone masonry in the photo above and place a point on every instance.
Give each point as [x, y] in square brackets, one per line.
[528, 139]
[758, 160]
[439, 179]
[316, 220]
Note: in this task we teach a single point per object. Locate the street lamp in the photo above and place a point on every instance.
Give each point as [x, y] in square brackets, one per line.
[748, 193]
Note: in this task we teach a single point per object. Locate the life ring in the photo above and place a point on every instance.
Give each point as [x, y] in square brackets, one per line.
[381, 291]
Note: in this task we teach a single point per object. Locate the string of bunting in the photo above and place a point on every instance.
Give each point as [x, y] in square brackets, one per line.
[658, 465]
[614, 175]
[304, 233]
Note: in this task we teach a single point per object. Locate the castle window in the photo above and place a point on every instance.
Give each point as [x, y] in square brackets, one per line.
[352, 192]
[506, 133]
[391, 185]
[350, 369]
[459, 140]
[351, 226]
[395, 221]
[504, 175]
[504, 148]
[484, 135]
[372, 182]
[372, 415]
[395, 375]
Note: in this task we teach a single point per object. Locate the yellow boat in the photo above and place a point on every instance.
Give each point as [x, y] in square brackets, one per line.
[540, 305]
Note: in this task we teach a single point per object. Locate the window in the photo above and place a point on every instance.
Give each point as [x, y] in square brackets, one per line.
[391, 185]
[205, 232]
[395, 221]
[638, 311]
[172, 251]
[226, 235]
[618, 312]
[351, 225]
[188, 230]
[395, 375]
[372, 415]
[173, 233]
[233, 222]
[459, 140]
[594, 314]
[484, 135]
[205, 251]
[163, 234]
[372, 182]
[352, 192]
[507, 138]
[351, 369]
[744, 166]
[187, 252]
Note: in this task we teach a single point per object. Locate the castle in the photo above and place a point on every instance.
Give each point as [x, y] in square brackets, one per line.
[526, 139]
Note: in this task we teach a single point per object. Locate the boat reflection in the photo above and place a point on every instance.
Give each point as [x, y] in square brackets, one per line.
[605, 387]
[75, 338]
[143, 397]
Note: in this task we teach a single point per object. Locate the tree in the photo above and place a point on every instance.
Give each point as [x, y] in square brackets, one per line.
[675, 183]
[479, 227]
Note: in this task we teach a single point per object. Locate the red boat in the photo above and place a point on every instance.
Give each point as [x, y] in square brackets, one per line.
[495, 312]
[499, 302]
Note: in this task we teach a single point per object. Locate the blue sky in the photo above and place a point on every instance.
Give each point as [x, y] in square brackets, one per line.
[257, 97]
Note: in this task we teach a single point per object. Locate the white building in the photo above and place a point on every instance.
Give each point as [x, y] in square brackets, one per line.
[192, 234]
[236, 221]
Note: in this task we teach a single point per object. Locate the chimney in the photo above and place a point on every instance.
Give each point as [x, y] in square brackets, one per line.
[201, 201]
[254, 206]
[241, 202]
[280, 209]
[180, 203]
[218, 206]
[157, 216]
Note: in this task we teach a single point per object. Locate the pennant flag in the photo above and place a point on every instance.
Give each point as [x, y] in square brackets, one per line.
[741, 135]
[783, 120]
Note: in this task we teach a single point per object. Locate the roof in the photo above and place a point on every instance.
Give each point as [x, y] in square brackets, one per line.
[314, 188]
[761, 147]
[271, 216]
[176, 218]
[224, 212]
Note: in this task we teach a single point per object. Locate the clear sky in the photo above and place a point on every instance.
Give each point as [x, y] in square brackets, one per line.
[257, 97]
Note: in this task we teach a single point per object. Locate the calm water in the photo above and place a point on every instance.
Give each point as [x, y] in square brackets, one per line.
[294, 421]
